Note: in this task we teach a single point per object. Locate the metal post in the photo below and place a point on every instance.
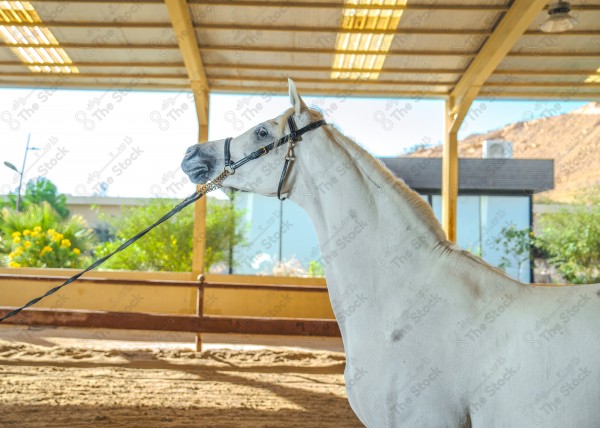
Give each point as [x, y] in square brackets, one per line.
[200, 309]
[22, 172]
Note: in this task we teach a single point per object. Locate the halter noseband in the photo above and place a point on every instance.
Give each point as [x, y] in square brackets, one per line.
[291, 138]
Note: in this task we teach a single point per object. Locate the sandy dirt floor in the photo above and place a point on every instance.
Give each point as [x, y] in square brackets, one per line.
[65, 378]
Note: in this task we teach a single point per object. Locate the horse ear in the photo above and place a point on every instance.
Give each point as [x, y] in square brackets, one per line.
[297, 103]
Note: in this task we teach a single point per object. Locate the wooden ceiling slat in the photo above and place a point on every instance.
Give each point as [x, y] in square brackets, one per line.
[99, 75]
[299, 29]
[311, 51]
[395, 70]
[335, 81]
[275, 79]
[145, 64]
[337, 5]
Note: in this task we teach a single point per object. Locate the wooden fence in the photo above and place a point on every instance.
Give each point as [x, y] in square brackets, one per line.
[198, 323]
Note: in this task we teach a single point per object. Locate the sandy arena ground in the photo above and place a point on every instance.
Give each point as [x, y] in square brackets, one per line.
[52, 377]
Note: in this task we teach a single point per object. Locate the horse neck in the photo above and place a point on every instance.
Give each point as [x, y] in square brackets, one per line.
[361, 215]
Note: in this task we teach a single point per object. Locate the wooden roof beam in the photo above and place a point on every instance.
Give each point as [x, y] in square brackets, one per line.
[188, 45]
[511, 27]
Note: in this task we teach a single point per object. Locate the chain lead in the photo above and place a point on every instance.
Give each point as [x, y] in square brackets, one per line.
[214, 184]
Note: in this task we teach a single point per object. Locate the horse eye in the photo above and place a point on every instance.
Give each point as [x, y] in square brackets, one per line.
[262, 132]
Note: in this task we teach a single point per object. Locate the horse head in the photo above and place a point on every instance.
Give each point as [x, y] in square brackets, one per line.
[267, 148]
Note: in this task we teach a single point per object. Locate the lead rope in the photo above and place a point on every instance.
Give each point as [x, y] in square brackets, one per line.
[210, 186]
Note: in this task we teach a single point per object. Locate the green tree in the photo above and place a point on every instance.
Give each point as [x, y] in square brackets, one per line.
[516, 247]
[571, 236]
[40, 237]
[40, 190]
[315, 268]
[169, 246]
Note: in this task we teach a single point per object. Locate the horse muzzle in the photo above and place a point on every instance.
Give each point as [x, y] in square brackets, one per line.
[199, 167]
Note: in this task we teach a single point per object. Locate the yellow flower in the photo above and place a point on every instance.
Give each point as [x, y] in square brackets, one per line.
[27, 244]
[65, 243]
[46, 249]
[35, 234]
[37, 229]
[76, 251]
[58, 237]
[26, 232]
[16, 240]
[14, 264]
[16, 234]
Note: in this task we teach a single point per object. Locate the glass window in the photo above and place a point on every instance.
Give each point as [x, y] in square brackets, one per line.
[468, 234]
[299, 239]
[498, 212]
[263, 214]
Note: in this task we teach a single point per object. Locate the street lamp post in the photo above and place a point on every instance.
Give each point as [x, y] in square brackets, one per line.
[22, 172]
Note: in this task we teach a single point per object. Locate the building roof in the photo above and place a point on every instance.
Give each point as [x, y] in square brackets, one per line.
[522, 176]
[253, 46]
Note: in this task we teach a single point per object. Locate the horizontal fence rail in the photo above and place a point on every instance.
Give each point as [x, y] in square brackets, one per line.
[177, 323]
[167, 283]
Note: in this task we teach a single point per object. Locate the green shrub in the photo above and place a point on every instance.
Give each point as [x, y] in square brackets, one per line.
[169, 246]
[516, 247]
[39, 237]
[571, 237]
[316, 269]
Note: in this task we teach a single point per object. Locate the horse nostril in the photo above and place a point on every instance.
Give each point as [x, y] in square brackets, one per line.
[191, 151]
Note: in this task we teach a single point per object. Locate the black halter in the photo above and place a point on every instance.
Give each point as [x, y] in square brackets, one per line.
[290, 138]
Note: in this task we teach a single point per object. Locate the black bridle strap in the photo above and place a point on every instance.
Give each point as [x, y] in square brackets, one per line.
[292, 136]
[286, 165]
[290, 155]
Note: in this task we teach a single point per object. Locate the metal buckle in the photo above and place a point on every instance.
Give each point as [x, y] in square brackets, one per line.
[229, 170]
[290, 153]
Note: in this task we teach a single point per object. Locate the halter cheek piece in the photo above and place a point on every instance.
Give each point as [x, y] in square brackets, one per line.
[291, 139]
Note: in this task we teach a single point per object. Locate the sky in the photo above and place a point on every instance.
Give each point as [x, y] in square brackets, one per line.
[130, 143]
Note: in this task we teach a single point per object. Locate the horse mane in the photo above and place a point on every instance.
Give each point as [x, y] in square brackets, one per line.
[370, 165]
[314, 114]
[365, 159]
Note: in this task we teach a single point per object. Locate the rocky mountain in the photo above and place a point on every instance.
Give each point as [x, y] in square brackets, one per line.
[572, 140]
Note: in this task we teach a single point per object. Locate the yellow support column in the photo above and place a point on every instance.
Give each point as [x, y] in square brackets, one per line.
[455, 115]
[450, 174]
[199, 243]
[199, 223]
[183, 27]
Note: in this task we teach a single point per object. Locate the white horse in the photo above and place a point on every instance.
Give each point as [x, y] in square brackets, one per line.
[434, 337]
